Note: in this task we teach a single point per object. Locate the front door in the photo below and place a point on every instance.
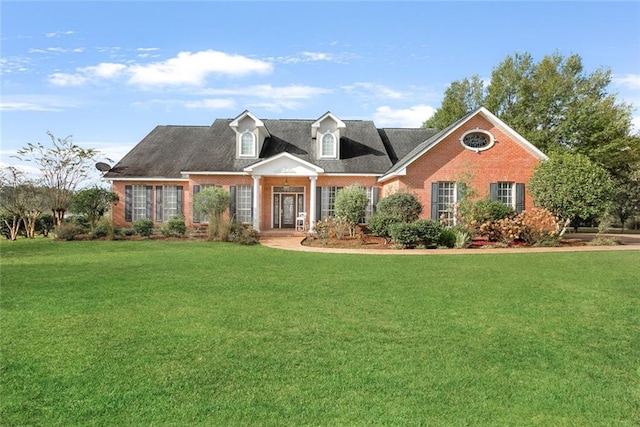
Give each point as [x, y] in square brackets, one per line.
[286, 206]
[288, 217]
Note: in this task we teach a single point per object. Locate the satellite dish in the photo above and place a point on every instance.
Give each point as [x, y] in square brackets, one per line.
[103, 167]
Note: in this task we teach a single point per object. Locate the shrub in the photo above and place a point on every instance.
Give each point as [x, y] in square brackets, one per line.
[462, 238]
[102, 229]
[486, 210]
[44, 224]
[447, 237]
[428, 232]
[68, 231]
[379, 224]
[331, 227]
[538, 224]
[175, 227]
[404, 205]
[404, 234]
[128, 232]
[143, 227]
[243, 234]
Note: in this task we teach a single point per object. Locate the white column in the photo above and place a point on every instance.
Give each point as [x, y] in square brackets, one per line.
[312, 203]
[256, 203]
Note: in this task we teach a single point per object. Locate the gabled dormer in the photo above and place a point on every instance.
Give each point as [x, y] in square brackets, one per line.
[326, 131]
[250, 135]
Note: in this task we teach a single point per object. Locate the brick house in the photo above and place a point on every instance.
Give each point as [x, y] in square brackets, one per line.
[278, 171]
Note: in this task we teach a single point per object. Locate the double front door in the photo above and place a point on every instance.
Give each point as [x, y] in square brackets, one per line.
[286, 206]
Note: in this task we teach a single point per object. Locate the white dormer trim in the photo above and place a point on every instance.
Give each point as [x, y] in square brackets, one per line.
[251, 152]
[246, 123]
[327, 126]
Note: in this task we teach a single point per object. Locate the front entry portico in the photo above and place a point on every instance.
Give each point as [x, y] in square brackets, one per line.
[285, 204]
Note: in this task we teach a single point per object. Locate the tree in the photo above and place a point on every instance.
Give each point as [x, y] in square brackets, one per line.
[63, 166]
[626, 201]
[554, 104]
[459, 99]
[572, 187]
[212, 201]
[21, 201]
[350, 205]
[93, 203]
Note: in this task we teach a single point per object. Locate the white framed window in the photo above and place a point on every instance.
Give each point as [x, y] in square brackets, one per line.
[446, 202]
[247, 144]
[328, 146]
[244, 196]
[139, 205]
[477, 140]
[506, 192]
[327, 201]
[169, 202]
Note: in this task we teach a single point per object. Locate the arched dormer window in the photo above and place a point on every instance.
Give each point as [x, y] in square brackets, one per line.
[328, 146]
[247, 144]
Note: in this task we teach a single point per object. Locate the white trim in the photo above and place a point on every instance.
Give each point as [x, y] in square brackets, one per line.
[254, 143]
[315, 125]
[212, 173]
[492, 140]
[334, 144]
[352, 174]
[311, 166]
[147, 179]
[234, 124]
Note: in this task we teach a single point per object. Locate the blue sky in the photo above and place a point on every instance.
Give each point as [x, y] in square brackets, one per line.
[109, 72]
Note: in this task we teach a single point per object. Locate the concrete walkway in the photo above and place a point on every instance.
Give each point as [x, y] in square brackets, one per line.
[632, 242]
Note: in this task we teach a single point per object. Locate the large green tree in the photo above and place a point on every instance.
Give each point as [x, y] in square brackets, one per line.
[554, 104]
[212, 202]
[350, 204]
[63, 166]
[572, 187]
[93, 203]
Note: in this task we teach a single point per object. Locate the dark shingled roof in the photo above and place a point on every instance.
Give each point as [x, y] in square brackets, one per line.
[169, 150]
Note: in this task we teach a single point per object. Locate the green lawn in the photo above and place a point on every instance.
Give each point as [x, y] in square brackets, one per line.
[198, 333]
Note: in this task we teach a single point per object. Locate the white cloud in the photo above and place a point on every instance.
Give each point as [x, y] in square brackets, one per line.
[410, 117]
[210, 104]
[35, 103]
[629, 81]
[59, 33]
[58, 50]
[268, 91]
[373, 91]
[147, 49]
[192, 68]
[64, 79]
[185, 69]
[105, 70]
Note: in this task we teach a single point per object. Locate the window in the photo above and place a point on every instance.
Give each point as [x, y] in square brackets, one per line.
[328, 147]
[446, 202]
[372, 197]
[477, 140]
[247, 144]
[139, 202]
[327, 200]
[505, 193]
[509, 193]
[244, 202]
[168, 202]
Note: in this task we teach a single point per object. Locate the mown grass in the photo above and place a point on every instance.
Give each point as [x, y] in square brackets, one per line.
[197, 333]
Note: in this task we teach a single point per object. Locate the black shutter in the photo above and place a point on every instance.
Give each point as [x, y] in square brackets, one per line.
[251, 189]
[128, 203]
[159, 210]
[318, 203]
[179, 189]
[519, 197]
[196, 190]
[233, 202]
[434, 200]
[149, 202]
[493, 191]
